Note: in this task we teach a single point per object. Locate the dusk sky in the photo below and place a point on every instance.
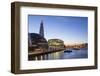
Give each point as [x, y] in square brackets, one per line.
[69, 29]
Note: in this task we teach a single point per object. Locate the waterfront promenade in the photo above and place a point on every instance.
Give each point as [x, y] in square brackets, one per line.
[45, 52]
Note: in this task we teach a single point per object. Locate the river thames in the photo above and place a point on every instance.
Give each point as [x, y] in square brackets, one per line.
[64, 54]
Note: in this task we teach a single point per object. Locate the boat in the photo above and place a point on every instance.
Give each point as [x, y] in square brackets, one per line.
[68, 51]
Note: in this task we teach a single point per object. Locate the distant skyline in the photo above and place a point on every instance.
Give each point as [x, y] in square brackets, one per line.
[70, 29]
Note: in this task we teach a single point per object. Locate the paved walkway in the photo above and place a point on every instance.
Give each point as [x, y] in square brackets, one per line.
[45, 52]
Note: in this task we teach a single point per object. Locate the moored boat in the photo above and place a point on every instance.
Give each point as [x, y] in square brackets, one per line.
[68, 51]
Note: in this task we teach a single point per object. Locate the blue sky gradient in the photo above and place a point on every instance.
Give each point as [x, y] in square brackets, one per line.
[67, 28]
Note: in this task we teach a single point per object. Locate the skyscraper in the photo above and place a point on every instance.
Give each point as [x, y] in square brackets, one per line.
[41, 31]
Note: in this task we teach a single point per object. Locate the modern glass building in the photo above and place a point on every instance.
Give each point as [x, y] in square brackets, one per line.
[56, 43]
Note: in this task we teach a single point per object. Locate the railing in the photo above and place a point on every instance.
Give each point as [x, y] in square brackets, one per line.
[42, 55]
[50, 50]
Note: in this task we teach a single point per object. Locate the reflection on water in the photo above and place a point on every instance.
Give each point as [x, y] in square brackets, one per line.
[73, 54]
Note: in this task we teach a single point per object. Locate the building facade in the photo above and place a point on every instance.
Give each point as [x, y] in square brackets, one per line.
[56, 43]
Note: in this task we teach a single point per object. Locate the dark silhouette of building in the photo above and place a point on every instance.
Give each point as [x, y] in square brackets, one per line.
[41, 31]
[36, 41]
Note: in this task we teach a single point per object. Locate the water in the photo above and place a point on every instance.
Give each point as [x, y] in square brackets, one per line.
[74, 54]
[82, 53]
